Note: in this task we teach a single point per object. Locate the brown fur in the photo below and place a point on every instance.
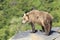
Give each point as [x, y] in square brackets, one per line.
[40, 17]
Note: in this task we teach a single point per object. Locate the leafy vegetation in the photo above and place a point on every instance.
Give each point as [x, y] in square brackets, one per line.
[11, 12]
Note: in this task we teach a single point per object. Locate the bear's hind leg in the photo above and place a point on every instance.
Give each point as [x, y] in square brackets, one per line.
[48, 29]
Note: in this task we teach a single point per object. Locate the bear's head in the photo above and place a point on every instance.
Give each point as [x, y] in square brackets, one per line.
[25, 18]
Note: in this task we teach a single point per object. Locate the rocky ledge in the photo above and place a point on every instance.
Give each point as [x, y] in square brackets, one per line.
[55, 35]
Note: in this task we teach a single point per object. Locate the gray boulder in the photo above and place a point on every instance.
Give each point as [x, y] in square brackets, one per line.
[55, 35]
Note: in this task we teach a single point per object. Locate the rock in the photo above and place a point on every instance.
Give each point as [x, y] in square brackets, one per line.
[58, 38]
[58, 31]
[37, 36]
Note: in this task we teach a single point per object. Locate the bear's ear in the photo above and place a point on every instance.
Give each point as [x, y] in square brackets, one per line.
[27, 16]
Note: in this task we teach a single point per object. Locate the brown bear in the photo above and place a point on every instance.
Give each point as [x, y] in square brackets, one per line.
[40, 17]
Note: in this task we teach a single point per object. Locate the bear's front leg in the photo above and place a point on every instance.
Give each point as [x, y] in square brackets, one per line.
[33, 28]
[42, 29]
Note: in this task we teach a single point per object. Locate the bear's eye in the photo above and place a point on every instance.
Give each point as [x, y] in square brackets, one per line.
[24, 18]
[37, 17]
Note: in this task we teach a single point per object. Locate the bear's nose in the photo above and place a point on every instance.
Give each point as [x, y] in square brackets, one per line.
[23, 22]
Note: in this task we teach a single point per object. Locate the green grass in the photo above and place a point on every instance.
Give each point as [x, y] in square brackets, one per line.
[56, 24]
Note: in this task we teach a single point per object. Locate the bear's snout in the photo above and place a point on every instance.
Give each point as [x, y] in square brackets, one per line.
[23, 21]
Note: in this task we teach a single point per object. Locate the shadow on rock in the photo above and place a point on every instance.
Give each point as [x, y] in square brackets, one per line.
[52, 31]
